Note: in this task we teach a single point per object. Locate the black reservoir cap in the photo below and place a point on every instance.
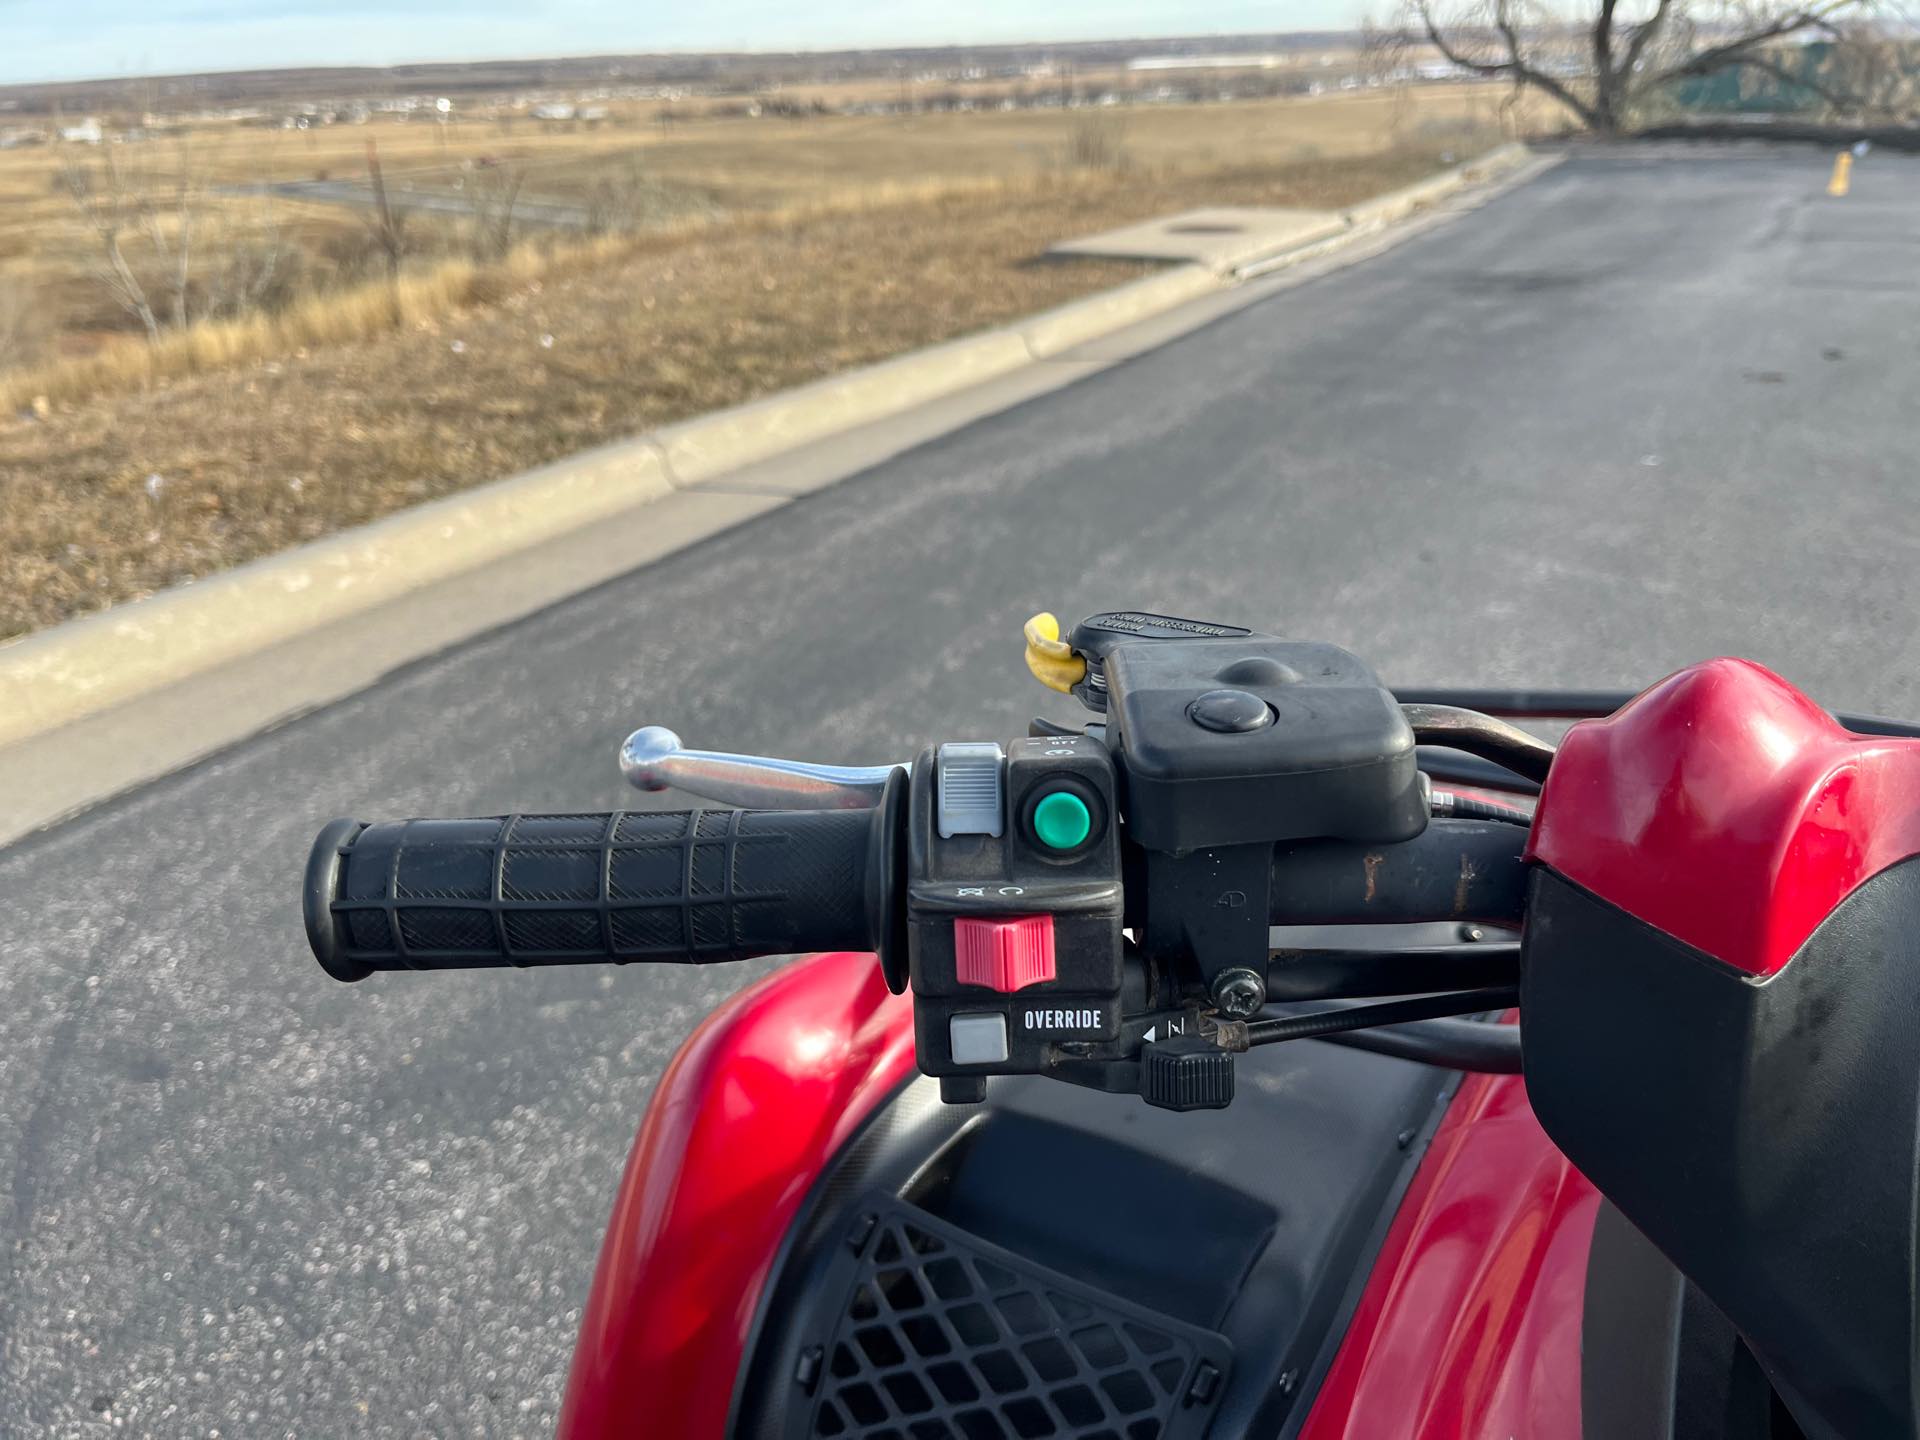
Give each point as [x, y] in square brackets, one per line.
[1248, 739]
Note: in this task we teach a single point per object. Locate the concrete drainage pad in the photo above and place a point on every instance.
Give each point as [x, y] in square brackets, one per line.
[1221, 238]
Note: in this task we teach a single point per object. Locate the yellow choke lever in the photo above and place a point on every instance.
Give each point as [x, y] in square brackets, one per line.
[1050, 658]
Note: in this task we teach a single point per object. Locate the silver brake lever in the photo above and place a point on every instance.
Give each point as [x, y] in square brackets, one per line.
[654, 759]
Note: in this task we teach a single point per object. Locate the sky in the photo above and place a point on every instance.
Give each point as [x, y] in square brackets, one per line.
[87, 39]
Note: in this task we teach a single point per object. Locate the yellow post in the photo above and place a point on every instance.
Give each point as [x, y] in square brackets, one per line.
[1842, 174]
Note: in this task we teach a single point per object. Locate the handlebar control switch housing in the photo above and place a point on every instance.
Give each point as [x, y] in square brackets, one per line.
[1014, 930]
[1249, 740]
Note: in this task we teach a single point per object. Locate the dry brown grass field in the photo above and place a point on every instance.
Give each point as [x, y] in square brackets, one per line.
[689, 169]
[126, 466]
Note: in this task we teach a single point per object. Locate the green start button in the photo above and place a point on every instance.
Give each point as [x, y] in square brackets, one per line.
[1061, 821]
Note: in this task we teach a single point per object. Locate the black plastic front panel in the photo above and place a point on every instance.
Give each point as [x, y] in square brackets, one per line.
[1658, 1361]
[1255, 1225]
[1763, 1135]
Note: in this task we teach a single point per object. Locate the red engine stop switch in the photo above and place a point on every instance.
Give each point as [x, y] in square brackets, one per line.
[1004, 952]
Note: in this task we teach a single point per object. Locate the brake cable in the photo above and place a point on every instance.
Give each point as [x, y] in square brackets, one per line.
[1392, 1012]
[1297, 974]
[1480, 735]
[1476, 1045]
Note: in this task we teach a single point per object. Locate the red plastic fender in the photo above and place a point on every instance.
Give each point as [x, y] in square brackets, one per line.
[1469, 1325]
[749, 1112]
[1724, 807]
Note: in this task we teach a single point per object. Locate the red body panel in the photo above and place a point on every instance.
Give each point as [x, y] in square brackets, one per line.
[1725, 808]
[753, 1106]
[1469, 1326]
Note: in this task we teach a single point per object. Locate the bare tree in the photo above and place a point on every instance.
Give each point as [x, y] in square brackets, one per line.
[165, 255]
[1879, 66]
[128, 199]
[1628, 55]
[251, 266]
[113, 209]
[387, 225]
[1096, 140]
[495, 193]
[169, 212]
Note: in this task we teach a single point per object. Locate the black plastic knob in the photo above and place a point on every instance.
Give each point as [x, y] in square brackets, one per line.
[1186, 1073]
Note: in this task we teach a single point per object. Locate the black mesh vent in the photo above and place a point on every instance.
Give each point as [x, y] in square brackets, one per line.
[942, 1337]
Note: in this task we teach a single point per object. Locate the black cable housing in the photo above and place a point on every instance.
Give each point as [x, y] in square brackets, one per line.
[1321, 1023]
[1477, 1045]
[1308, 974]
[1483, 735]
[1465, 807]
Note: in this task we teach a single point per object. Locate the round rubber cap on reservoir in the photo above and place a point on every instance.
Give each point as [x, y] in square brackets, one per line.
[1062, 821]
[1230, 711]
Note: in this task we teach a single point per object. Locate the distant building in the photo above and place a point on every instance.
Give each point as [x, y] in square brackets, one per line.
[87, 132]
[1204, 62]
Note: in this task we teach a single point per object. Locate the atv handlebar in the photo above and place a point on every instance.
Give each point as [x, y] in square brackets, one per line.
[697, 887]
[689, 887]
[1466, 870]
[1093, 905]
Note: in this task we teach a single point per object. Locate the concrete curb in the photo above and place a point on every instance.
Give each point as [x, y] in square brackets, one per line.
[1054, 331]
[1397, 204]
[710, 445]
[85, 666]
[1371, 217]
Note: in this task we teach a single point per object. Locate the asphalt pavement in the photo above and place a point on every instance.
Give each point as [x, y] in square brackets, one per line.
[1655, 406]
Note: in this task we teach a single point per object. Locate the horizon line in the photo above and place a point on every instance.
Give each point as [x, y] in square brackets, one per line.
[664, 51]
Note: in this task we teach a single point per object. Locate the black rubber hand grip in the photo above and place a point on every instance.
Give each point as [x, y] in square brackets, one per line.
[674, 886]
